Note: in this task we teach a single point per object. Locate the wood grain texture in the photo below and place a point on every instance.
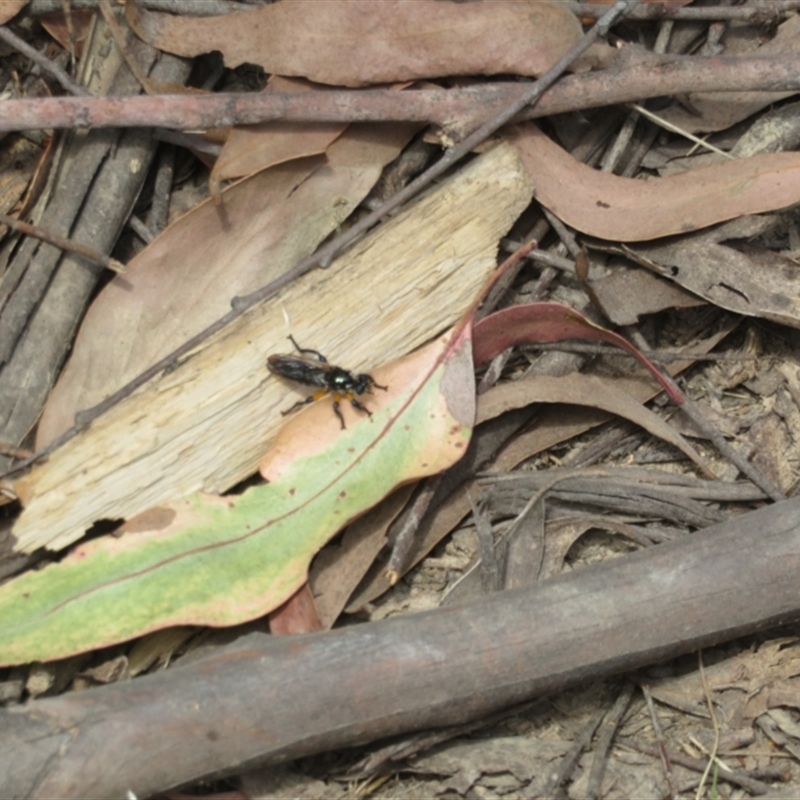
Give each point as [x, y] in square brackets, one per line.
[207, 424]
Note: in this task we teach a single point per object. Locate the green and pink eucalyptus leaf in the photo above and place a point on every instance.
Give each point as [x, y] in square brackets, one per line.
[219, 561]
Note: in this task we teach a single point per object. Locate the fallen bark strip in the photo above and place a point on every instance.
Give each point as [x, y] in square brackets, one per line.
[637, 80]
[269, 699]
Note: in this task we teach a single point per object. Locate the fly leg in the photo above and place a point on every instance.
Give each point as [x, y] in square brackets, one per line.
[319, 355]
[359, 406]
[338, 412]
[297, 405]
[310, 399]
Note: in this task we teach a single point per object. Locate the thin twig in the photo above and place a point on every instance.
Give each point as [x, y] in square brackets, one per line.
[710, 703]
[605, 736]
[666, 761]
[140, 229]
[89, 253]
[158, 216]
[571, 757]
[11, 38]
[688, 407]
[567, 235]
[613, 155]
[592, 348]
[493, 296]
[72, 38]
[397, 752]
[655, 118]
[408, 524]
[737, 777]
[529, 510]
[541, 256]
[490, 571]
[325, 254]
[633, 81]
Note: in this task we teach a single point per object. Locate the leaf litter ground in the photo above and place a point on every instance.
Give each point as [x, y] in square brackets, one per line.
[755, 394]
[512, 758]
[753, 391]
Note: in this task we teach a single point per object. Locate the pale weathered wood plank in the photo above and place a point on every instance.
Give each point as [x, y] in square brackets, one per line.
[207, 424]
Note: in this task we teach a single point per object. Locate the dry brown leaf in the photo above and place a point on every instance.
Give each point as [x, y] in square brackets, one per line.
[10, 8]
[297, 615]
[559, 423]
[627, 294]
[630, 210]
[779, 692]
[251, 148]
[716, 111]
[589, 390]
[341, 565]
[187, 277]
[748, 280]
[72, 35]
[360, 42]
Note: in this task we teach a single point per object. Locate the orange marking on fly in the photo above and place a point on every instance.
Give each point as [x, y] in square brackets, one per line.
[329, 379]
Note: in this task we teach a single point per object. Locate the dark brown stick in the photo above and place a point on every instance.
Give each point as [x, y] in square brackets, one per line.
[89, 253]
[269, 699]
[649, 77]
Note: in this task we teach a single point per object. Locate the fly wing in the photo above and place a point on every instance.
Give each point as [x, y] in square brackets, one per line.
[301, 369]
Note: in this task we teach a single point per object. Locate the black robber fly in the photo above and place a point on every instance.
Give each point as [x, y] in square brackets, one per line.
[318, 372]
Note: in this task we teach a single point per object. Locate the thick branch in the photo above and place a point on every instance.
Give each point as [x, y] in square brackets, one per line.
[637, 80]
[268, 699]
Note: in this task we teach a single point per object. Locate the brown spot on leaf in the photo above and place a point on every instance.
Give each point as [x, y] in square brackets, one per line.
[151, 520]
